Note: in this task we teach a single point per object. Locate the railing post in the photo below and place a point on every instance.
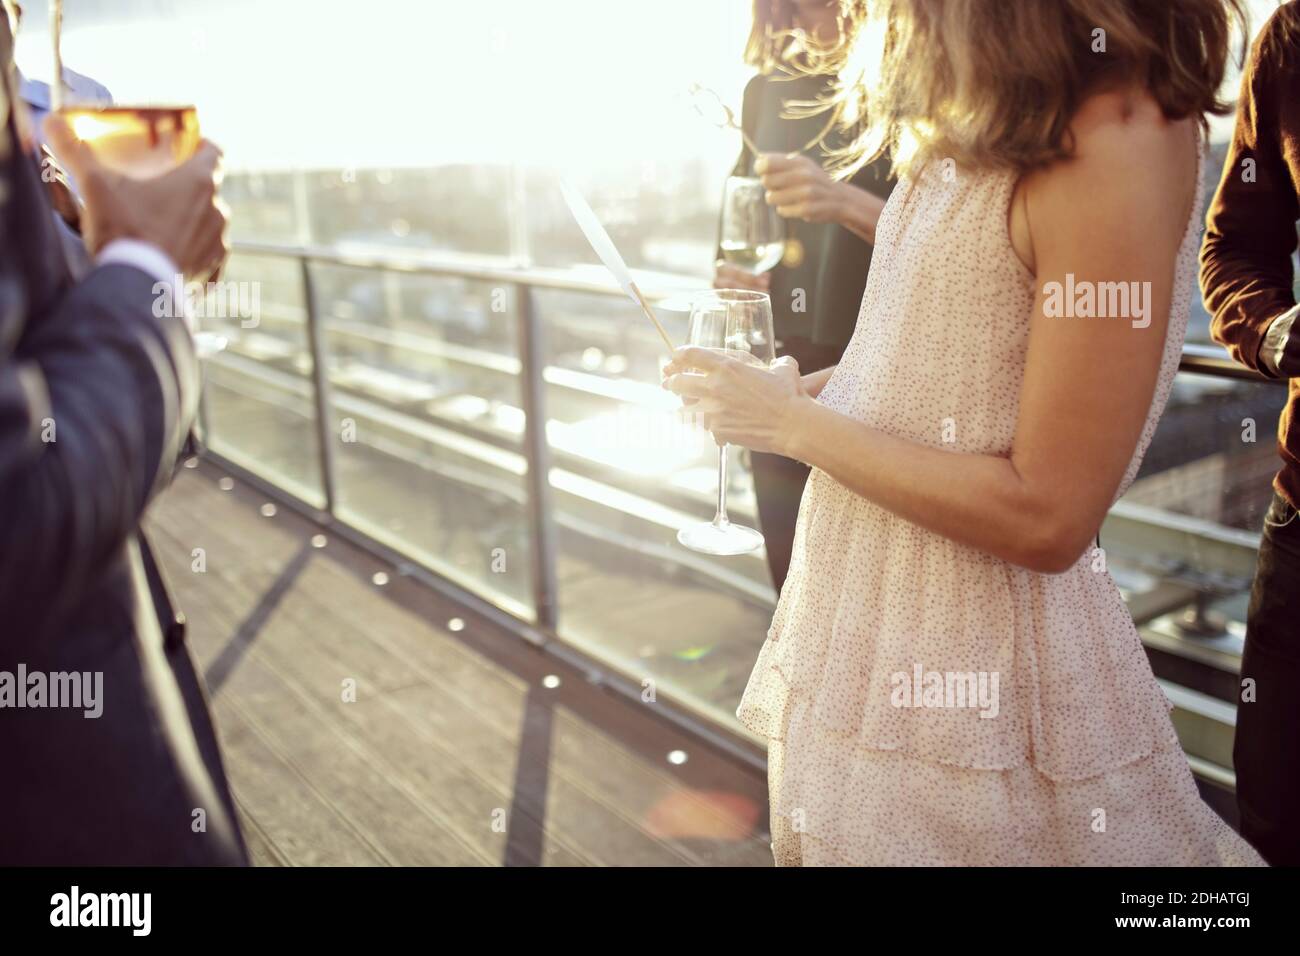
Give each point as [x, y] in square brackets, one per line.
[320, 387]
[541, 524]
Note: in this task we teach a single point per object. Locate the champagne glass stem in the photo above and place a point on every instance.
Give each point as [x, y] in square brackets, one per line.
[720, 520]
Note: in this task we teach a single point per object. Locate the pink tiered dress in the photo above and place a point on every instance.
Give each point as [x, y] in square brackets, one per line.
[1080, 765]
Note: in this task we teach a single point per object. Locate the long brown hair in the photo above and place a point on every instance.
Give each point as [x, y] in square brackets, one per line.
[1288, 30]
[997, 82]
[773, 20]
[774, 28]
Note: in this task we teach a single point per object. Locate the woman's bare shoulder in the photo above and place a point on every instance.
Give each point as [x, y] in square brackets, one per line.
[1127, 125]
[1129, 164]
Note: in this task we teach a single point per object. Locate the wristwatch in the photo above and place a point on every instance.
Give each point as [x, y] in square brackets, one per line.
[1272, 351]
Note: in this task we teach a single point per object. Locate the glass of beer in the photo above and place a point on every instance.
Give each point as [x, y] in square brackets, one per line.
[140, 141]
[136, 141]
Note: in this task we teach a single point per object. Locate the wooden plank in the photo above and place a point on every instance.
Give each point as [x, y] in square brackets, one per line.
[456, 697]
[339, 771]
[428, 767]
[474, 714]
[305, 655]
[304, 828]
[441, 736]
[299, 725]
[702, 823]
[599, 833]
[261, 850]
[402, 828]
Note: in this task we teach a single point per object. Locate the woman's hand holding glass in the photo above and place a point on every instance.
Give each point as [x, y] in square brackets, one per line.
[799, 188]
[739, 402]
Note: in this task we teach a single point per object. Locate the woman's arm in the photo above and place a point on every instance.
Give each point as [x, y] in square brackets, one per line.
[1114, 213]
[859, 210]
[814, 382]
[800, 188]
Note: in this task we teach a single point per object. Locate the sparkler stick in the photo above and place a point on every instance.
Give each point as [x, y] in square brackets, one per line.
[607, 252]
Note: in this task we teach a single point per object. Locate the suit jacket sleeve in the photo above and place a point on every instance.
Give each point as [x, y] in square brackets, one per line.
[95, 400]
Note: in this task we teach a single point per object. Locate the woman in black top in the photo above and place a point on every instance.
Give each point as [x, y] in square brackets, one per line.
[816, 289]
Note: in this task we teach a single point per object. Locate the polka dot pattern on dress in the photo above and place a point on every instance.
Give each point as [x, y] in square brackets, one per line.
[1078, 763]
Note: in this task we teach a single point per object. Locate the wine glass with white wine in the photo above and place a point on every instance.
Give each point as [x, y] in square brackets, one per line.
[753, 234]
[738, 323]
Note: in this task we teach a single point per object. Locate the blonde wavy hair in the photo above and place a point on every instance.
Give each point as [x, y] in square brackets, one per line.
[995, 83]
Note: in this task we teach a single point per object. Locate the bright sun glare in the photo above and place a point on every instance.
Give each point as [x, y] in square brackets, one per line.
[405, 83]
[338, 83]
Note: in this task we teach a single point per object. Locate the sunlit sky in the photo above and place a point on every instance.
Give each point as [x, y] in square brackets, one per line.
[398, 82]
[330, 83]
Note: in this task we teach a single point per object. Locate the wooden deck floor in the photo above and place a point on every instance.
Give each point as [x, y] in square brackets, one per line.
[453, 752]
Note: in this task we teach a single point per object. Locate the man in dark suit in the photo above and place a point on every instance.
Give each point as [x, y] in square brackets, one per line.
[107, 751]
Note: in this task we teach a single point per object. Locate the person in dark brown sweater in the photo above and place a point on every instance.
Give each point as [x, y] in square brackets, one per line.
[1247, 279]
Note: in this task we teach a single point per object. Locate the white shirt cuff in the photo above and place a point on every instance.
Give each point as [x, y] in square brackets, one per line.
[169, 284]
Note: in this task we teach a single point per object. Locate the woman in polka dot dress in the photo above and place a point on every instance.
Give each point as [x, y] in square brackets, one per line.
[951, 675]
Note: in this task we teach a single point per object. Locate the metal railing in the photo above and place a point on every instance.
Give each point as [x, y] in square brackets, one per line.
[1216, 363]
[1126, 523]
[522, 281]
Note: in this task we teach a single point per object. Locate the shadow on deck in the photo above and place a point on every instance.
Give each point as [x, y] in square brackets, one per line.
[453, 752]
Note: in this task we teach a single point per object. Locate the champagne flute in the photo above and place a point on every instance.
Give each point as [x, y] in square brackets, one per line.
[738, 323]
[753, 234]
